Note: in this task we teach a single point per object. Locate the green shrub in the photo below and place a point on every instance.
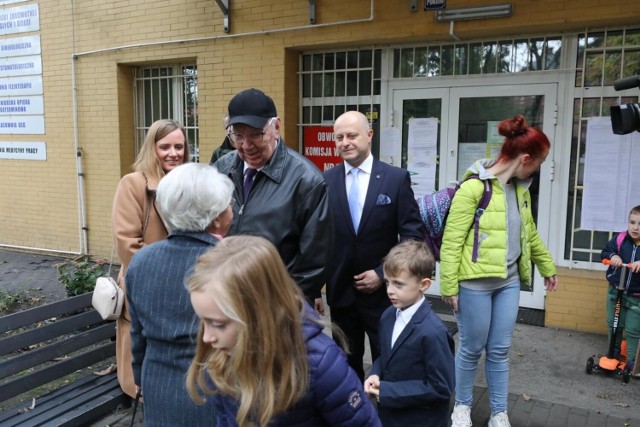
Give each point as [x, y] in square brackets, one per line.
[79, 275]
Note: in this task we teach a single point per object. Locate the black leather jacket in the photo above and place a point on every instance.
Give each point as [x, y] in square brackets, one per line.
[288, 205]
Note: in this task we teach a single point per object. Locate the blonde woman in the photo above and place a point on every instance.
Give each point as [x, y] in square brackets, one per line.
[135, 219]
[263, 347]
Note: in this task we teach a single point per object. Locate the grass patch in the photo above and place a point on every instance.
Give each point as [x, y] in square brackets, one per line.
[12, 301]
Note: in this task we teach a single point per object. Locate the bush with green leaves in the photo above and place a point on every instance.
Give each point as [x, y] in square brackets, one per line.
[79, 274]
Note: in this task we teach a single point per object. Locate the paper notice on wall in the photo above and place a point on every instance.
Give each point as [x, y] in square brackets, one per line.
[422, 154]
[610, 173]
[492, 132]
[390, 146]
[468, 153]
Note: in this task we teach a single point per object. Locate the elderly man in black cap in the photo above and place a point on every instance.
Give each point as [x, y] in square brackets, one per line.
[280, 194]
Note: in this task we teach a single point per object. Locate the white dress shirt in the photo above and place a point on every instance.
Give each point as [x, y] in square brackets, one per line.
[363, 179]
[403, 317]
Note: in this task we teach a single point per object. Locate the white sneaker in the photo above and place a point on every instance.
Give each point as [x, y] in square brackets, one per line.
[461, 416]
[499, 420]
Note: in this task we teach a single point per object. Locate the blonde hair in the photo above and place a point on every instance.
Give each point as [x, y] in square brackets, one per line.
[268, 372]
[147, 161]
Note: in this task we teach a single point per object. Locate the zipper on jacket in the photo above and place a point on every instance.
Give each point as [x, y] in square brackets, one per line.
[629, 273]
[241, 209]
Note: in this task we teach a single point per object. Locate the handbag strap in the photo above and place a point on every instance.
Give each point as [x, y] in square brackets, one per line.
[151, 201]
[113, 252]
[135, 407]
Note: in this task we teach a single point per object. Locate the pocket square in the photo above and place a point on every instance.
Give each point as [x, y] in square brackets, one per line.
[383, 199]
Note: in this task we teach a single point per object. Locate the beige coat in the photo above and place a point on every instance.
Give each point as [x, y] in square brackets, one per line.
[130, 207]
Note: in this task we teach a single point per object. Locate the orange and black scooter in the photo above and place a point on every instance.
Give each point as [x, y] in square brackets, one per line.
[610, 364]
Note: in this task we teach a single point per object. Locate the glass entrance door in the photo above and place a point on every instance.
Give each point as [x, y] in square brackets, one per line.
[467, 131]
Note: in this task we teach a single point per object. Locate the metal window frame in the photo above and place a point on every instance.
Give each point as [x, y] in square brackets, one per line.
[582, 93]
[175, 102]
[322, 101]
[467, 46]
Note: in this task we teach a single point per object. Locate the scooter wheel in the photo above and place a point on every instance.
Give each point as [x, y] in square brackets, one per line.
[626, 375]
[589, 367]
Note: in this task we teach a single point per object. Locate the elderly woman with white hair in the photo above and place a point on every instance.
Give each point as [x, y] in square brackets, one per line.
[195, 202]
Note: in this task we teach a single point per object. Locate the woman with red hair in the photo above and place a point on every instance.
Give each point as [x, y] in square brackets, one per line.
[484, 288]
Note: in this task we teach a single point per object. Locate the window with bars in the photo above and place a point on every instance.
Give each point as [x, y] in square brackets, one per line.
[167, 92]
[338, 81]
[602, 58]
[489, 57]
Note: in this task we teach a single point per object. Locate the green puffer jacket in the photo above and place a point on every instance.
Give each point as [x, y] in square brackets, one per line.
[457, 241]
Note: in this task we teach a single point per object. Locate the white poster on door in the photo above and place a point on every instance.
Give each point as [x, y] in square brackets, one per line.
[390, 146]
[422, 154]
[610, 164]
[468, 153]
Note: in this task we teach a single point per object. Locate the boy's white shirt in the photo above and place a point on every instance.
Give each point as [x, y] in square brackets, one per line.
[403, 317]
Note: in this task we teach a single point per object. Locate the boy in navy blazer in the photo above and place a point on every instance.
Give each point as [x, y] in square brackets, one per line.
[413, 379]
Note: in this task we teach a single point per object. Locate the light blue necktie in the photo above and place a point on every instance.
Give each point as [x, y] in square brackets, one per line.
[354, 197]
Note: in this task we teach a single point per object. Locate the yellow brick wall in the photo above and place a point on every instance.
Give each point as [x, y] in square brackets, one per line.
[39, 207]
[40, 202]
[579, 303]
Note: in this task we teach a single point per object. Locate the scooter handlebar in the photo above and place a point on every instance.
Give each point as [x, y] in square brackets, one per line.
[608, 262]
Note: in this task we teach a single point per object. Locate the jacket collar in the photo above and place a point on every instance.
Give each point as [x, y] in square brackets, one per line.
[197, 235]
[480, 167]
[274, 168]
[417, 318]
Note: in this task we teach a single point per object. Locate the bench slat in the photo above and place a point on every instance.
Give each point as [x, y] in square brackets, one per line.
[48, 400]
[81, 339]
[47, 332]
[44, 312]
[75, 404]
[57, 349]
[53, 394]
[55, 371]
[91, 412]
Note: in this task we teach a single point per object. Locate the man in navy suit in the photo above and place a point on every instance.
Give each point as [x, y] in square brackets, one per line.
[369, 219]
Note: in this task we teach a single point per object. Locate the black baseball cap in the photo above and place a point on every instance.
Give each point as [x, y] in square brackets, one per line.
[251, 107]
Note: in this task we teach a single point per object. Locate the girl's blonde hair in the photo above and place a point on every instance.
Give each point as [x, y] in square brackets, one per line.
[147, 161]
[267, 372]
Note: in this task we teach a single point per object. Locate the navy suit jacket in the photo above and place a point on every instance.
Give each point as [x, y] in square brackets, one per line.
[417, 373]
[390, 215]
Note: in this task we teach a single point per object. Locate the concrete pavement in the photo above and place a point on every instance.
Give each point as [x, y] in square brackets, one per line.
[548, 383]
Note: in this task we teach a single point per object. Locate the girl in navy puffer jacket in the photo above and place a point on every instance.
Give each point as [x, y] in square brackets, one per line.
[263, 346]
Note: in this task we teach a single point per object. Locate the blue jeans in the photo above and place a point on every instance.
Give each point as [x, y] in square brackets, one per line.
[486, 320]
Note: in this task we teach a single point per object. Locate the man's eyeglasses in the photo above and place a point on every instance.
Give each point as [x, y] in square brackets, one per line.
[253, 138]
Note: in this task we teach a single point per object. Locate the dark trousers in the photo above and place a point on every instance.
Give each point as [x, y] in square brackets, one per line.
[356, 320]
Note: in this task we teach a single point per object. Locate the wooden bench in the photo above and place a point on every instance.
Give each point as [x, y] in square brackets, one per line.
[41, 346]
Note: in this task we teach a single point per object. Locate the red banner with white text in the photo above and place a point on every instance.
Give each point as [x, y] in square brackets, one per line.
[318, 146]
